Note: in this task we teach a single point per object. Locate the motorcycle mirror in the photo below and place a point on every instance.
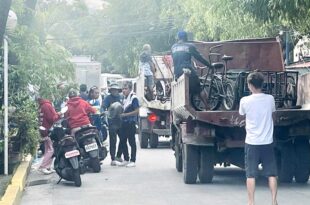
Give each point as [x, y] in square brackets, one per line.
[42, 128]
[64, 110]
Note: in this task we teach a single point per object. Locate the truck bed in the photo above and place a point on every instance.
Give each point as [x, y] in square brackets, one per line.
[182, 110]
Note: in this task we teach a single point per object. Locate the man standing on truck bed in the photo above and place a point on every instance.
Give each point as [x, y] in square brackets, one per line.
[147, 67]
[258, 109]
[182, 53]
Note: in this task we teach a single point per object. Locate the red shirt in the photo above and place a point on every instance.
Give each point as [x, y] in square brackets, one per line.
[47, 114]
[78, 110]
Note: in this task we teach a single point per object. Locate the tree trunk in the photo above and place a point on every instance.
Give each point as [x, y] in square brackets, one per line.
[5, 6]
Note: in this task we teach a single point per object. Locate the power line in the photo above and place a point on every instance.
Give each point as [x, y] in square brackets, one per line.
[145, 33]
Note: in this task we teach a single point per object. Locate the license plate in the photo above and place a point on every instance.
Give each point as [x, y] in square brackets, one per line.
[72, 153]
[91, 147]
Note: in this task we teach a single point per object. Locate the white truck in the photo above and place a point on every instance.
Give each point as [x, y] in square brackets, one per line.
[154, 115]
[87, 71]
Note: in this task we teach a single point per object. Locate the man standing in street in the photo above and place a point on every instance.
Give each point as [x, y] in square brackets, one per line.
[128, 127]
[258, 109]
[47, 117]
[114, 121]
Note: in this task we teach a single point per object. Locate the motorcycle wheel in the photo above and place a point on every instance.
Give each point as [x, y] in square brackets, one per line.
[95, 165]
[77, 178]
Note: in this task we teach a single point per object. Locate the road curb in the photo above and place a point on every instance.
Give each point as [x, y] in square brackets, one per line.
[13, 192]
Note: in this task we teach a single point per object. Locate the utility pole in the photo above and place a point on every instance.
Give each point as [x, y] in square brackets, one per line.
[5, 6]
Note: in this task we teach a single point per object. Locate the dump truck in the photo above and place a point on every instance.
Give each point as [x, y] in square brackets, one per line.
[154, 114]
[203, 138]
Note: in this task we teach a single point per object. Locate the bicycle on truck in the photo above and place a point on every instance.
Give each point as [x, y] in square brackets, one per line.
[219, 87]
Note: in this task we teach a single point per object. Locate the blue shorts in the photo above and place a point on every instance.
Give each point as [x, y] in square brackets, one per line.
[260, 154]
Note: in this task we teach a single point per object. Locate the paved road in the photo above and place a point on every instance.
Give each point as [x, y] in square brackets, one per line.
[154, 181]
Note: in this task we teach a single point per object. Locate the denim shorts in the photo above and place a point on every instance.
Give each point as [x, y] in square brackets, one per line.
[260, 154]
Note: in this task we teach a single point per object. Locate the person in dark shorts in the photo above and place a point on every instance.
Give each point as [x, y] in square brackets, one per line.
[258, 108]
[182, 53]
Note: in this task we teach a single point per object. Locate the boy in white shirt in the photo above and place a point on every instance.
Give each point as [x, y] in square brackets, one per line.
[258, 108]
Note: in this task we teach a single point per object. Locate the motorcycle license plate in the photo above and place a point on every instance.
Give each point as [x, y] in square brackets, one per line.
[91, 147]
[72, 153]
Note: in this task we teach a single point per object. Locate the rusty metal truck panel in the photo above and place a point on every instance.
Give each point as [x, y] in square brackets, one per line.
[250, 54]
[182, 109]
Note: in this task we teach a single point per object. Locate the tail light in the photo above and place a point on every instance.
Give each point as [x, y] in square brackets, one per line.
[152, 117]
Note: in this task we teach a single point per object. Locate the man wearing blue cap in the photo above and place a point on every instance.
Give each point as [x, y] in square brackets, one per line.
[182, 53]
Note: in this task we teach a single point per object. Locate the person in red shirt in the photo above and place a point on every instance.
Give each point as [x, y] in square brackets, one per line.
[47, 117]
[78, 111]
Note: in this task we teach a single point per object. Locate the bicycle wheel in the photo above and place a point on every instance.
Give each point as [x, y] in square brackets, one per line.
[214, 98]
[197, 102]
[229, 101]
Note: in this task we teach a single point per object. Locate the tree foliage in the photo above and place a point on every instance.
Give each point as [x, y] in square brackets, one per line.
[35, 61]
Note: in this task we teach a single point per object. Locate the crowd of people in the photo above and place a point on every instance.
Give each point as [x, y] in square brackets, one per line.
[123, 112]
[119, 110]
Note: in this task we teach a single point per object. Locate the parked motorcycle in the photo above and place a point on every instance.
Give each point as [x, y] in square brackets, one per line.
[91, 148]
[67, 155]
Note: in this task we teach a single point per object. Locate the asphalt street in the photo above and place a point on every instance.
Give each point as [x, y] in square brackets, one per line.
[154, 181]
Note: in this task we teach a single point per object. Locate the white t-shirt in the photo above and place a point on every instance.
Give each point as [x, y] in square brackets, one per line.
[258, 109]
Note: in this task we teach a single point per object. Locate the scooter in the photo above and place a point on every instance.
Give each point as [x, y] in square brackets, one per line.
[92, 151]
[67, 155]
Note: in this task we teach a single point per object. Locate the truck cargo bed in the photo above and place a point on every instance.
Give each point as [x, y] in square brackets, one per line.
[182, 109]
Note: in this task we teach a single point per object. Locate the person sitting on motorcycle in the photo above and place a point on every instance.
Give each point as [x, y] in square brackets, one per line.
[78, 111]
[182, 53]
[95, 100]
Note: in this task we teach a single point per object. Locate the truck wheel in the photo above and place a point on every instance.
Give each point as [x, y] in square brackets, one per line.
[144, 140]
[153, 141]
[229, 101]
[302, 169]
[206, 166]
[178, 158]
[190, 163]
[286, 163]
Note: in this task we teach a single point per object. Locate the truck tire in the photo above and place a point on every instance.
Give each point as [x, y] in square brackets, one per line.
[229, 102]
[144, 140]
[178, 158]
[153, 140]
[286, 163]
[206, 165]
[302, 168]
[190, 163]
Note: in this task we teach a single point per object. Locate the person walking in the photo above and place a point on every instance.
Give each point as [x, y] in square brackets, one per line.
[258, 108]
[47, 117]
[128, 126]
[112, 103]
